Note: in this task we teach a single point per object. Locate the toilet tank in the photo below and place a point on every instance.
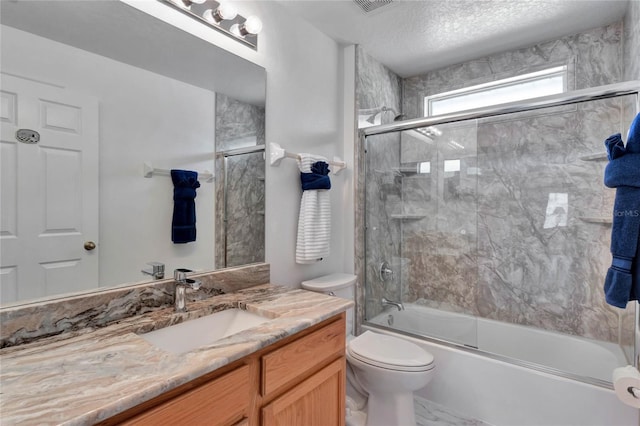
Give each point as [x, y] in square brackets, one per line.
[339, 285]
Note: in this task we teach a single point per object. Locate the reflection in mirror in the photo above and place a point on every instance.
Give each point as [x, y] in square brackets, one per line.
[108, 88]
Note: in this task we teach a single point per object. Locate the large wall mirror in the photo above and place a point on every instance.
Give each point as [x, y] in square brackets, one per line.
[91, 91]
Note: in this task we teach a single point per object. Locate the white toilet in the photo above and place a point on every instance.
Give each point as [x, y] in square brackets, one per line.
[382, 371]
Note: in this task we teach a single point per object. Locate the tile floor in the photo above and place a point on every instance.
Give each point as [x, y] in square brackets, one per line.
[431, 414]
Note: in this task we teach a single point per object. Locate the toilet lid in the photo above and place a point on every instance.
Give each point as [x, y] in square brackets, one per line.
[390, 352]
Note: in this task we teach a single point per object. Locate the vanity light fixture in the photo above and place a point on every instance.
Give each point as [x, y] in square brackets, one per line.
[222, 16]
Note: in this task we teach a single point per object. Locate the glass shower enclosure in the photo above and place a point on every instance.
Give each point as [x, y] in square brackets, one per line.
[240, 224]
[491, 228]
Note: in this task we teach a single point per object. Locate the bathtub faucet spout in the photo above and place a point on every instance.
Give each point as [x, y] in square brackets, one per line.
[387, 302]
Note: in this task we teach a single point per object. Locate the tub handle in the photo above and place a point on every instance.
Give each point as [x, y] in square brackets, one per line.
[386, 273]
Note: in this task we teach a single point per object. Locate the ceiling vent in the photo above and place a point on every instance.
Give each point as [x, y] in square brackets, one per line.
[371, 5]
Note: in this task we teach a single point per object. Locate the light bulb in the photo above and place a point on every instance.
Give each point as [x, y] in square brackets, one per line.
[208, 15]
[253, 25]
[226, 11]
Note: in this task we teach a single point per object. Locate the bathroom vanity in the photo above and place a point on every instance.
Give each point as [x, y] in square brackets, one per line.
[299, 380]
[292, 365]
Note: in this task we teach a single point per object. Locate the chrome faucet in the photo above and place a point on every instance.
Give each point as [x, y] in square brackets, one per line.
[182, 284]
[387, 302]
[156, 271]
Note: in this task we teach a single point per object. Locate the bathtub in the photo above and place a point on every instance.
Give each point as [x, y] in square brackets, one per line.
[574, 355]
[505, 394]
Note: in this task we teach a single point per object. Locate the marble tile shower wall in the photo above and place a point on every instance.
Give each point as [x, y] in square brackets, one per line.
[486, 245]
[239, 240]
[632, 42]
[497, 239]
[439, 237]
[245, 209]
[594, 58]
[378, 86]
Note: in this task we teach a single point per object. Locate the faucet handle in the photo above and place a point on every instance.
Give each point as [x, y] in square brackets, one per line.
[156, 271]
[157, 267]
[180, 274]
[194, 284]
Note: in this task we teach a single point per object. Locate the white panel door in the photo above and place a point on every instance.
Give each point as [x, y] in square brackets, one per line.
[49, 201]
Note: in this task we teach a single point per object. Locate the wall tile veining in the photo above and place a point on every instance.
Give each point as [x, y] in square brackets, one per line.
[377, 86]
[594, 58]
[632, 41]
[483, 246]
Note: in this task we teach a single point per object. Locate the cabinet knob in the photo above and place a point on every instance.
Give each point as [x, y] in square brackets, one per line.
[89, 245]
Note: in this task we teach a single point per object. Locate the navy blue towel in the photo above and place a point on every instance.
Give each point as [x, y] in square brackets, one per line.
[318, 178]
[622, 283]
[183, 225]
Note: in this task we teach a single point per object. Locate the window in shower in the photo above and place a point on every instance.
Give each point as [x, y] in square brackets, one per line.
[532, 85]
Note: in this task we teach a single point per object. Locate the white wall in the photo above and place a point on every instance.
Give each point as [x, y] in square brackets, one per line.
[143, 117]
[303, 114]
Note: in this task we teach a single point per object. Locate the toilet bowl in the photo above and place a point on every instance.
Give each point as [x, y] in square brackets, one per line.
[389, 369]
[382, 370]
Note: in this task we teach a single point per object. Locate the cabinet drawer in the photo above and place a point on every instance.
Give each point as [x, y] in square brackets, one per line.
[222, 401]
[302, 357]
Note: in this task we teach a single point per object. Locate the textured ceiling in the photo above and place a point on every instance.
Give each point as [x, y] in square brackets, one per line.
[412, 37]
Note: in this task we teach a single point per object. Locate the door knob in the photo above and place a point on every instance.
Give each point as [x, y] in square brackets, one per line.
[89, 245]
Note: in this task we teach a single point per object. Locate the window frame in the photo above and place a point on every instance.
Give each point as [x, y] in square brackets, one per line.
[561, 71]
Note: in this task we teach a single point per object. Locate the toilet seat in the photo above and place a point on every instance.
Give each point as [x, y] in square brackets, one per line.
[390, 353]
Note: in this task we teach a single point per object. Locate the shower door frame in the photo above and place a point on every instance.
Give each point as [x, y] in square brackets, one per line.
[566, 98]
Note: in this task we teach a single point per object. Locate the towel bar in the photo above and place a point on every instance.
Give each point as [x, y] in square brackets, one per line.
[277, 153]
[149, 171]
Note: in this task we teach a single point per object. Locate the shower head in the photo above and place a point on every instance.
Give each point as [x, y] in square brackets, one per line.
[372, 117]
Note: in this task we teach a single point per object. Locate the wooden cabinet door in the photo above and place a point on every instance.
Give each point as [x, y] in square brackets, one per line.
[317, 401]
[221, 402]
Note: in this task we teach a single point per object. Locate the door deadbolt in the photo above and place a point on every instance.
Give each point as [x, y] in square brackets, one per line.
[27, 136]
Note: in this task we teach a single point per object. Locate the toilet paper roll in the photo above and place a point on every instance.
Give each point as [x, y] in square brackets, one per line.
[626, 384]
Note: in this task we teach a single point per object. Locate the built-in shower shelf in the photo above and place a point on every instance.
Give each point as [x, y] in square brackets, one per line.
[600, 220]
[406, 169]
[600, 156]
[402, 216]
[260, 178]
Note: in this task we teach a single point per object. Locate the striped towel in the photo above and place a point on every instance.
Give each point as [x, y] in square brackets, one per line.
[314, 222]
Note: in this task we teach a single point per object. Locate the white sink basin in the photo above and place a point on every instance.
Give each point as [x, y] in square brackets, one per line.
[189, 335]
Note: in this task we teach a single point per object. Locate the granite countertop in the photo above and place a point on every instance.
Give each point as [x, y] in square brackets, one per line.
[90, 377]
